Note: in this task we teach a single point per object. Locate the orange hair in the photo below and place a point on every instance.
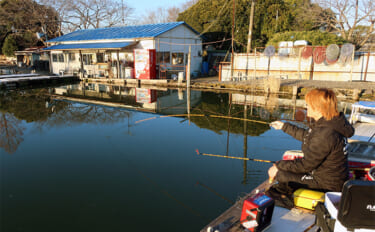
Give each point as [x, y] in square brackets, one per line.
[324, 101]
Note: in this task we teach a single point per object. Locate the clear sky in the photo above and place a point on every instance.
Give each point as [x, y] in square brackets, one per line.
[141, 7]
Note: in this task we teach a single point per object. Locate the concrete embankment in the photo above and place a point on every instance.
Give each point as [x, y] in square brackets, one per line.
[344, 89]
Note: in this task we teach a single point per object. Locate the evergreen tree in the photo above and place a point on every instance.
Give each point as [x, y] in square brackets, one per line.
[214, 16]
[23, 18]
[9, 46]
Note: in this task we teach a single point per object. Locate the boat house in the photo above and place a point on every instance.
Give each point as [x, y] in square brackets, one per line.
[158, 50]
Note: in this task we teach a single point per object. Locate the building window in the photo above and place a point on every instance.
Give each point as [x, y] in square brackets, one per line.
[87, 59]
[58, 58]
[177, 58]
[100, 57]
[163, 58]
[72, 57]
[61, 57]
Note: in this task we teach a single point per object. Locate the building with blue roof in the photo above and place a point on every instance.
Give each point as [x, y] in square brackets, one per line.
[109, 52]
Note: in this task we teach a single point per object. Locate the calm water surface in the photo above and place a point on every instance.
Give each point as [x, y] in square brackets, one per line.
[108, 158]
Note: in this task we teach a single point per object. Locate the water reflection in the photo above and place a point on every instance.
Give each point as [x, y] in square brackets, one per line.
[11, 132]
[79, 155]
[102, 103]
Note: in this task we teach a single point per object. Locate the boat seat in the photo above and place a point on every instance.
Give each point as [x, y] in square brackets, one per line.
[353, 209]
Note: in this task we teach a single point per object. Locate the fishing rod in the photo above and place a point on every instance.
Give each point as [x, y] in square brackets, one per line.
[235, 157]
[202, 115]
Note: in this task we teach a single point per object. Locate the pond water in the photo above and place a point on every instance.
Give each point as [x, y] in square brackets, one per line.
[92, 157]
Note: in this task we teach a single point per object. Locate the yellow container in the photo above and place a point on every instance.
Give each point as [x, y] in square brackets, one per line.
[307, 198]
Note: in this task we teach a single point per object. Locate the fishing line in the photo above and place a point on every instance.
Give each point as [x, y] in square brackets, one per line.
[157, 186]
[216, 193]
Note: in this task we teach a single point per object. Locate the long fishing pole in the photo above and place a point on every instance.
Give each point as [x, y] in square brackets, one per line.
[235, 157]
[202, 115]
[266, 161]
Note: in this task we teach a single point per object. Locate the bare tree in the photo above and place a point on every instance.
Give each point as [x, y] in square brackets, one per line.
[172, 14]
[188, 4]
[352, 19]
[85, 14]
[165, 15]
[160, 15]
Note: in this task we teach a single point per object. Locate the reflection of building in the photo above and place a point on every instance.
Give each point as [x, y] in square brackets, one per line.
[152, 100]
[242, 99]
[109, 52]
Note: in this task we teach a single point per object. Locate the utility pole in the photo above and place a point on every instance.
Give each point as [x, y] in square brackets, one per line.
[188, 69]
[250, 27]
[232, 56]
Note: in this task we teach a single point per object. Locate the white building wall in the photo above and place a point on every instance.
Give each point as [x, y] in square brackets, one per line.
[293, 67]
[146, 44]
[178, 40]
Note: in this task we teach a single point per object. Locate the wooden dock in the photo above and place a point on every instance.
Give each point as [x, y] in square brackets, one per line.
[18, 80]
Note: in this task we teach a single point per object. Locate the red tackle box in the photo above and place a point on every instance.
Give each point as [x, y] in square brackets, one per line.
[257, 212]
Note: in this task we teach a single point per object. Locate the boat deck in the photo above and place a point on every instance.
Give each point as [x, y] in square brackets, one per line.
[363, 132]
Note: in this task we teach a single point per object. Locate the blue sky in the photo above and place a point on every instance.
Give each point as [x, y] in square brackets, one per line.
[141, 7]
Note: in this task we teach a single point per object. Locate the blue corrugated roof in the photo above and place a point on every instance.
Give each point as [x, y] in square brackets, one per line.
[89, 46]
[128, 32]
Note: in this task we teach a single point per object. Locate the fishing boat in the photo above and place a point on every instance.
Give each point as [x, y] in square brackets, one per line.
[362, 118]
[301, 219]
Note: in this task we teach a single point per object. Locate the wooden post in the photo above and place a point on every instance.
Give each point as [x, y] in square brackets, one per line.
[312, 68]
[118, 65]
[220, 69]
[188, 69]
[50, 62]
[188, 93]
[245, 143]
[248, 49]
[255, 63]
[81, 58]
[299, 62]
[351, 69]
[232, 57]
[368, 58]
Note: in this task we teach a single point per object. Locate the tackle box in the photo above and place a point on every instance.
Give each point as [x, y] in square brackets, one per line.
[306, 198]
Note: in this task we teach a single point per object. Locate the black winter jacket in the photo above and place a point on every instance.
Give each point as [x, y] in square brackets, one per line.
[323, 146]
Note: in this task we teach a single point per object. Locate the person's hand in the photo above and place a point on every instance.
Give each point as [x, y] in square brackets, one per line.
[272, 171]
[277, 125]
